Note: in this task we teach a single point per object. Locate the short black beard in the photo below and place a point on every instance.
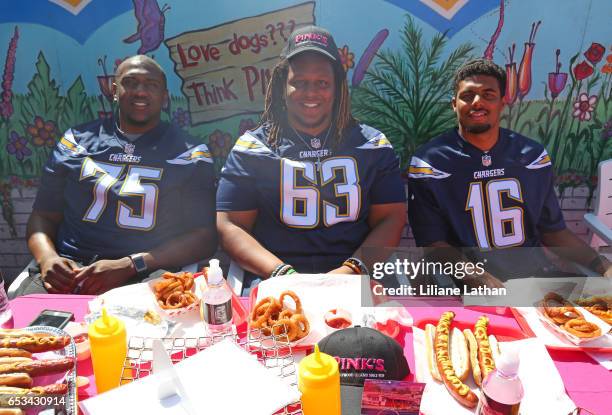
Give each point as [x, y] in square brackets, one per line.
[477, 129]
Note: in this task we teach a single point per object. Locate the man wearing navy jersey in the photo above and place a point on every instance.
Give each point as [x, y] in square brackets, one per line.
[484, 186]
[310, 186]
[121, 198]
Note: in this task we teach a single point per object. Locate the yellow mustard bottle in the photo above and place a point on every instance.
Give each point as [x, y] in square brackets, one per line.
[319, 382]
[108, 341]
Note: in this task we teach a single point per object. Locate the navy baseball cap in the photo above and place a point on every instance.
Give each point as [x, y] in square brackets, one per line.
[311, 38]
[363, 353]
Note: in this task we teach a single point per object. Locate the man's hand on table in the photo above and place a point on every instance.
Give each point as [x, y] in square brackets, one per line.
[104, 275]
[58, 274]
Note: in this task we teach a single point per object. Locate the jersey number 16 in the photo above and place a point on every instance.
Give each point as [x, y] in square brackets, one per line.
[505, 225]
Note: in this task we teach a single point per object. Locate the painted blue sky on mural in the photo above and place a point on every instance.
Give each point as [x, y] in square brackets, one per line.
[467, 12]
[79, 27]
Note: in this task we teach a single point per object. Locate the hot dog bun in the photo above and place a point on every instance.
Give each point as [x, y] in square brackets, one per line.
[16, 333]
[14, 353]
[5, 360]
[430, 334]
[36, 344]
[11, 411]
[19, 380]
[473, 347]
[39, 367]
[460, 355]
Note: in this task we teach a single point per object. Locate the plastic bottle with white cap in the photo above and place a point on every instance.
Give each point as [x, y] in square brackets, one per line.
[502, 389]
[217, 302]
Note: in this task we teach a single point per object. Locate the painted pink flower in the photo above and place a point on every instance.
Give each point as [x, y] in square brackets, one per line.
[584, 106]
[6, 105]
[557, 79]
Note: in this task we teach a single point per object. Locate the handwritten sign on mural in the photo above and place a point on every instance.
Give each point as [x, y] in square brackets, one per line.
[225, 69]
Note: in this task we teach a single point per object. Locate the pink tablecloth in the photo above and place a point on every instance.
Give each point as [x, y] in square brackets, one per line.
[587, 383]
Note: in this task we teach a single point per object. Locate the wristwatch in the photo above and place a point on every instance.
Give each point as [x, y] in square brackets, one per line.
[139, 263]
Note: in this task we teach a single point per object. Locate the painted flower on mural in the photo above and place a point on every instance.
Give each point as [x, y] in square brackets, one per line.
[524, 73]
[43, 133]
[347, 58]
[570, 179]
[557, 80]
[607, 68]
[511, 78]
[17, 146]
[220, 144]
[582, 71]
[246, 124]
[606, 130]
[6, 105]
[584, 106]
[595, 53]
[181, 117]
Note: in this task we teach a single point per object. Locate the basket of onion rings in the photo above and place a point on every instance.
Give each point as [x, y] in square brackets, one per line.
[273, 316]
[175, 293]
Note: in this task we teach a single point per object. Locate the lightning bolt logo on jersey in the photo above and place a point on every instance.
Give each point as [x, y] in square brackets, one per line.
[113, 193]
[312, 203]
[454, 196]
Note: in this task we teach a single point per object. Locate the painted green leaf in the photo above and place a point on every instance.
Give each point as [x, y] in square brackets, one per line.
[76, 108]
[43, 99]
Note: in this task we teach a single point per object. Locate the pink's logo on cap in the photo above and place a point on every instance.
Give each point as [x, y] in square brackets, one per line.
[312, 37]
[361, 363]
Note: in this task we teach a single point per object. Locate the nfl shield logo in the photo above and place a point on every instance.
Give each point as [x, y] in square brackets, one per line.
[486, 160]
[129, 148]
[315, 143]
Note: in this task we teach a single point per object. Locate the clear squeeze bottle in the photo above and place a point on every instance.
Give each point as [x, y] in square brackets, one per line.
[108, 341]
[217, 302]
[502, 389]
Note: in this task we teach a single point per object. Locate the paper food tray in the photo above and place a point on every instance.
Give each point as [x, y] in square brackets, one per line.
[273, 352]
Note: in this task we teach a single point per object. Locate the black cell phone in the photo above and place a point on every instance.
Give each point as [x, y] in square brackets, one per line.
[54, 318]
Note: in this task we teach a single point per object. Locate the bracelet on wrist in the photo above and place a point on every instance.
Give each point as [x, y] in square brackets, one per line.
[282, 269]
[356, 265]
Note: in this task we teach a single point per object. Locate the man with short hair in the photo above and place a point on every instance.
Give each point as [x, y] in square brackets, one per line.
[124, 197]
[310, 186]
[484, 186]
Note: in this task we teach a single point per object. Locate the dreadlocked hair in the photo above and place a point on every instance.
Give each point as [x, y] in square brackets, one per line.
[275, 110]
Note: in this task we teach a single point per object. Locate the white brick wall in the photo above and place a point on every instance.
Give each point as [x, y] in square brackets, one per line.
[14, 253]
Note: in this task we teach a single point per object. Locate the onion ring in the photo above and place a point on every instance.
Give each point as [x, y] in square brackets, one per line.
[303, 325]
[294, 297]
[292, 330]
[579, 327]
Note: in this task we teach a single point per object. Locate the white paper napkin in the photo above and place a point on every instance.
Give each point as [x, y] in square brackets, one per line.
[544, 390]
[222, 379]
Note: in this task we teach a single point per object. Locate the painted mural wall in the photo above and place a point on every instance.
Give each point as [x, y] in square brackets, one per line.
[57, 59]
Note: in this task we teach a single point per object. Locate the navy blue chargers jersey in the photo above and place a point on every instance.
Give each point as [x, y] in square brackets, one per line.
[469, 198]
[313, 205]
[120, 197]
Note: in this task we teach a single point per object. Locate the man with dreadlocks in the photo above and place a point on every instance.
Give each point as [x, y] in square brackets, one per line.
[310, 186]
